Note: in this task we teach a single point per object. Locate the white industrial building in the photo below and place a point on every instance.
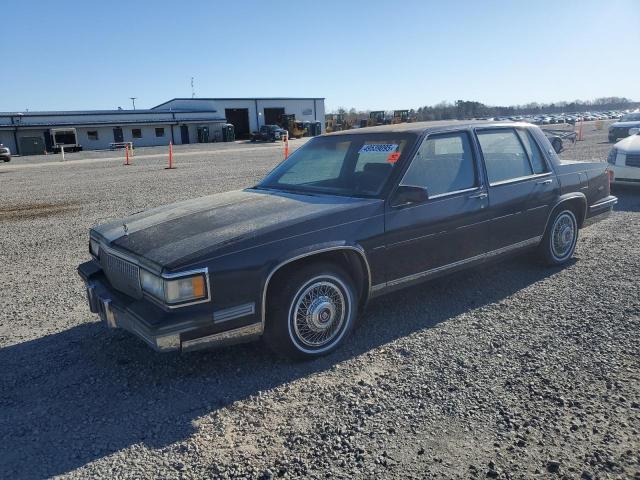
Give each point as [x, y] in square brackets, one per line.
[249, 114]
[181, 120]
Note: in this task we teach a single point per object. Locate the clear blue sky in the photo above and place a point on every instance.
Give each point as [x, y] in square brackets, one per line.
[71, 54]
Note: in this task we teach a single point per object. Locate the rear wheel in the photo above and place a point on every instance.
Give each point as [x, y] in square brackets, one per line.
[311, 312]
[560, 239]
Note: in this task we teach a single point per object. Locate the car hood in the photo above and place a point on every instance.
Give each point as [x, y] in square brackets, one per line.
[202, 228]
[630, 144]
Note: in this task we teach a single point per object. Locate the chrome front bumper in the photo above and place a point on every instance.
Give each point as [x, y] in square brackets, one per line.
[115, 316]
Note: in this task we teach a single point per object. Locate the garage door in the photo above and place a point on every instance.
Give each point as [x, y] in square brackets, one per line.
[239, 117]
[272, 116]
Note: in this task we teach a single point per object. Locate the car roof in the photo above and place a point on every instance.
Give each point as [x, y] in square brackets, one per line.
[421, 127]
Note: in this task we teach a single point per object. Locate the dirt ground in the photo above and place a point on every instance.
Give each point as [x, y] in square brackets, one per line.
[509, 371]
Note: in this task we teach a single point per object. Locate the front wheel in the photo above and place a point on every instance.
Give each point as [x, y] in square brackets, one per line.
[311, 312]
[560, 239]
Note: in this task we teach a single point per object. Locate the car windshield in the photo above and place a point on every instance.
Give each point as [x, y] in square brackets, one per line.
[632, 117]
[356, 165]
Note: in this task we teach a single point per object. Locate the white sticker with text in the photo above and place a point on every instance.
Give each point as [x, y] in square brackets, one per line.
[378, 148]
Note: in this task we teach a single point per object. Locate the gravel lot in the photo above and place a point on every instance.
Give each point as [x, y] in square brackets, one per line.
[511, 371]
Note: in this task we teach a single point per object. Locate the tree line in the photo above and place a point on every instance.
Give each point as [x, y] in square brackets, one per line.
[466, 109]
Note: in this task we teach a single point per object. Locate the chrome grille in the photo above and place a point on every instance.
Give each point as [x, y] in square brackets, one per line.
[122, 274]
[633, 160]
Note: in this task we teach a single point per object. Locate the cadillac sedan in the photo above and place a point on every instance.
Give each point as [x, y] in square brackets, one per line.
[347, 217]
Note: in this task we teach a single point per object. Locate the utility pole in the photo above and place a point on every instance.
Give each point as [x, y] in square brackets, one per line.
[133, 101]
[193, 92]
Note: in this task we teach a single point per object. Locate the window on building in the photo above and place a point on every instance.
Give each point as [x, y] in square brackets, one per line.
[136, 133]
[92, 135]
[159, 132]
[443, 164]
[503, 154]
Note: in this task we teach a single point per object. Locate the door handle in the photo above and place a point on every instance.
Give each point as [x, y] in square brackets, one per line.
[544, 182]
[479, 196]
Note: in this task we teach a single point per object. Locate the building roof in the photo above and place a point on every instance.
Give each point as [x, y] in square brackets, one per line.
[236, 98]
[69, 113]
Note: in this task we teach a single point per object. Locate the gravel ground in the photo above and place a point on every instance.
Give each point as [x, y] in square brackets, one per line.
[511, 371]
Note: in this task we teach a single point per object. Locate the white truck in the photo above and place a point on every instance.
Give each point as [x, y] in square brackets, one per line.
[64, 137]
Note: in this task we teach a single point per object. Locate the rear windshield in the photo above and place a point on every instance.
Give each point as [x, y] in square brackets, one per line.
[352, 165]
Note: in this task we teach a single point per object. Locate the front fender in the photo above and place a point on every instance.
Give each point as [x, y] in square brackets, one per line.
[309, 251]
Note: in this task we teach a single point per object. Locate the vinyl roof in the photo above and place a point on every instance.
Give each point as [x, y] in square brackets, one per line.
[419, 127]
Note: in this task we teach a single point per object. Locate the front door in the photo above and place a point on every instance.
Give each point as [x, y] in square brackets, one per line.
[118, 136]
[450, 227]
[522, 188]
[184, 134]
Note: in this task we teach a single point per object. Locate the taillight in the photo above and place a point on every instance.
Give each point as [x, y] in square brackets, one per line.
[610, 172]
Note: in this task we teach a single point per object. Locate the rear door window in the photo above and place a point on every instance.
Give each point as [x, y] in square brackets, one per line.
[533, 150]
[504, 155]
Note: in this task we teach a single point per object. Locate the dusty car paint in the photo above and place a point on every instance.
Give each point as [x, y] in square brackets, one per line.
[242, 238]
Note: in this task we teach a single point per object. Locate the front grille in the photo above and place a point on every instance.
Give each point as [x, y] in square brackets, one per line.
[122, 274]
[633, 160]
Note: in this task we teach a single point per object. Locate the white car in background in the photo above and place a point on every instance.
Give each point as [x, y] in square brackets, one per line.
[624, 159]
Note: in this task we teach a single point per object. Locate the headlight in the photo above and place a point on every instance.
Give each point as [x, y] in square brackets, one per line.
[185, 289]
[612, 156]
[175, 291]
[94, 247]
[152, 284]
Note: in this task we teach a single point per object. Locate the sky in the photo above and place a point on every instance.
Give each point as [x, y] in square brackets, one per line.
[78, 54]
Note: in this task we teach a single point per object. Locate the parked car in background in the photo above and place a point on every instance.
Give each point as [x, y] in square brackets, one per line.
[347, 217]
[5, 153]
[555, 140]
[268, 133]
[620, 129]
[624, 159]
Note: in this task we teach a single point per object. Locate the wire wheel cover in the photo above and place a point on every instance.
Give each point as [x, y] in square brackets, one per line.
[563, 235]
[319, 314]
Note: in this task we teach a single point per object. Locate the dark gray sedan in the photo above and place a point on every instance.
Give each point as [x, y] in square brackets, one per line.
[349, 216]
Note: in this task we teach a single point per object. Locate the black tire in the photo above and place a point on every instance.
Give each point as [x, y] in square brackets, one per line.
[290, 332]
[557, 145]
[560, 239]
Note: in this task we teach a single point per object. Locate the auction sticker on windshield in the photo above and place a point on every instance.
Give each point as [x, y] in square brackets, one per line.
[378, 148]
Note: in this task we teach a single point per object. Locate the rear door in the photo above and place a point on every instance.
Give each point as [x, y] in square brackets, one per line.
[522, 187]
[450, 226]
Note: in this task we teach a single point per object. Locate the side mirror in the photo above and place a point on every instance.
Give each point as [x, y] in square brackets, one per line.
[408, 194]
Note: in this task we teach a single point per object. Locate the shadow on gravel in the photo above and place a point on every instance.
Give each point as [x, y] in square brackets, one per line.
[628, 197]
[79, 395]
